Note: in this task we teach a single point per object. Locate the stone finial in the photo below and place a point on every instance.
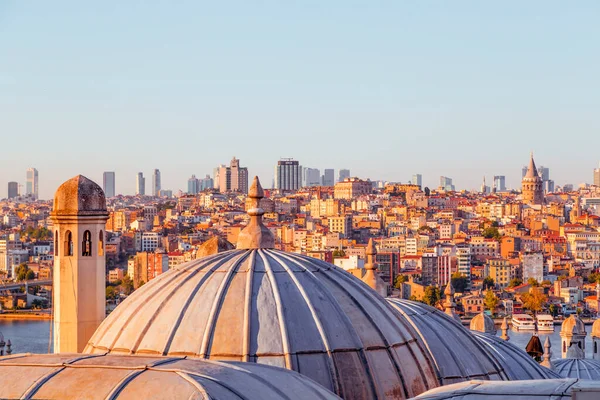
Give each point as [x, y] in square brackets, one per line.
[504, 328]
[255, 235]
[371, 252]
[483, 323]
[546, 361]
[449, 304]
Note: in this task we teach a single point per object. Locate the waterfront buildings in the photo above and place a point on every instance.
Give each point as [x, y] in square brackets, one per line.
[32, 183]
[108, 184]
[288, 175]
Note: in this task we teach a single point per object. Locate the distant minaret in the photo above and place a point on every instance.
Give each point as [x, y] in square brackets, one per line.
[79, 219]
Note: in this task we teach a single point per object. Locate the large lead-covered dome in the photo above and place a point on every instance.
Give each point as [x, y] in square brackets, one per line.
[276, 308]
[256, 304]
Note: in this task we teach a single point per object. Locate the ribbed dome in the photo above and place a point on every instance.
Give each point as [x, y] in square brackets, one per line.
[458, 355]
[79, 196]
[573, 326]
[282, 309]
[517, 364]
[577, 368]
[483, 323]
[76, 376]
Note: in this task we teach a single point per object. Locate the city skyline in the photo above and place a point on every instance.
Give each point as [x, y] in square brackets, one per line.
[511, 181]
[430, 90]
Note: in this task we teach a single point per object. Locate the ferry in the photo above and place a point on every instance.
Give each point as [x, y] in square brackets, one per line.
[523, 322]
[545, 323]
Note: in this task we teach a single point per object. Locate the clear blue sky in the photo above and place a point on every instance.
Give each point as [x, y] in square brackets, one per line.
[385, 88]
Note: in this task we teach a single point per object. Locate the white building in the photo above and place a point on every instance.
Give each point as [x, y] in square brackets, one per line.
[533, 266]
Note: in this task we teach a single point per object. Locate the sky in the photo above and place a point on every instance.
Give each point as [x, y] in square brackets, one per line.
[387, 89]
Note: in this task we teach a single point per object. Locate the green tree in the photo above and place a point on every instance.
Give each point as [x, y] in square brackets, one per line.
[546, 282]
[29, 275]
[127, 285]
[579, 311]
[515, 282]
[491, 300]
[594, 277]
[533, 282]
[534, 300]
[338, 253]
[459, 282]
[21, 272]
[400, 279]
[488, 283]
[553, 310]
[431, 295]
[111, 293]
[491, 233]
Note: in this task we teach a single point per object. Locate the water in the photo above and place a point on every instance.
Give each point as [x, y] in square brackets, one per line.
[520, 339]
[26, 336]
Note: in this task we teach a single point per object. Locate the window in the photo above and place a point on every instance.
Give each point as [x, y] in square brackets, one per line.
[68, 244]
[595, 347]
[564, 347]
[101, 243]
[86, 245]
[56, 243]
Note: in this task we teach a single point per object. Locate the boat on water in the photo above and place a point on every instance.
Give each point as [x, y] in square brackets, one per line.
[545, 323]
[523, 322]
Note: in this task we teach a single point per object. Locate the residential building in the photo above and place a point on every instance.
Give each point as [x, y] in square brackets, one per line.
[156, 185]
[140, 184]
[13, 190]
[343, 174]
[288, 174]
[341, 224]
[108, 184]
[499, 270]
[32, 184]
[463, 258]
[533, 266]
[351, 188]
[328, 178]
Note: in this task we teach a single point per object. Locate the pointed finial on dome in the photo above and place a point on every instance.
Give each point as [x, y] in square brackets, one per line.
[504, 328]
[547, 362]
[255, 235]
[449, 304]
[371, 252]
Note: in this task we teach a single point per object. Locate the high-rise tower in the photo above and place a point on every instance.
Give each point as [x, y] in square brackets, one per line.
[79, 218]
[140, 184]
[108, 184]
[597, 176]
[156, 183]
[532, 185]
[32, 184]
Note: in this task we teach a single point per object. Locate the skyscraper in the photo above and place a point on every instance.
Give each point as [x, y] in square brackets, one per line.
[140, 184]
[328, 178]
[193, 185]
[13, 190]
[108, 184]
[32, 185]
[500, 183]
[446, 184]
[156, 183]
[288, 174]
[417, 179]
[343, 174]
[312, 177]
[597, 176]
[231, 179]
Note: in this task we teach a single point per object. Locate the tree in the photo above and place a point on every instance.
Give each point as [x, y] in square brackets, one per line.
[459, 282]
[400, 279]
[29, 275]
[534, 300]
[546, 282]
[491, 233]
[21, 272]
[553, 310]
[594, 277]
[111, 293]
[425, 229]
[533, 282]
[337, 253]
[491, 300]
[488, 283]
[127, 285]
[515, 282]
[427, 191]
[431, 295]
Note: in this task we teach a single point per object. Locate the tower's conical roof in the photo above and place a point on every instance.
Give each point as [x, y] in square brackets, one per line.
[532, 172]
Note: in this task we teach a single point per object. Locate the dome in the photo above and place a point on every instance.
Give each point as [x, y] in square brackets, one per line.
[549, 389]
[483, 323]
[596, 328]
[277, 308]
[573, 326]
[517, 364]
[458, 355]
[79, 196]
[580, 368]
[75, 376]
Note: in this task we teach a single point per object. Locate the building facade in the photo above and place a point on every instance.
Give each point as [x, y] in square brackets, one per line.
[343, 174]
[32, 183]
[532, 185]
[108, 184]
[288, 175]
[351, 188]
[233, 178]
[140, 184]
[328, 178]
[156, 185]
[13, 190]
